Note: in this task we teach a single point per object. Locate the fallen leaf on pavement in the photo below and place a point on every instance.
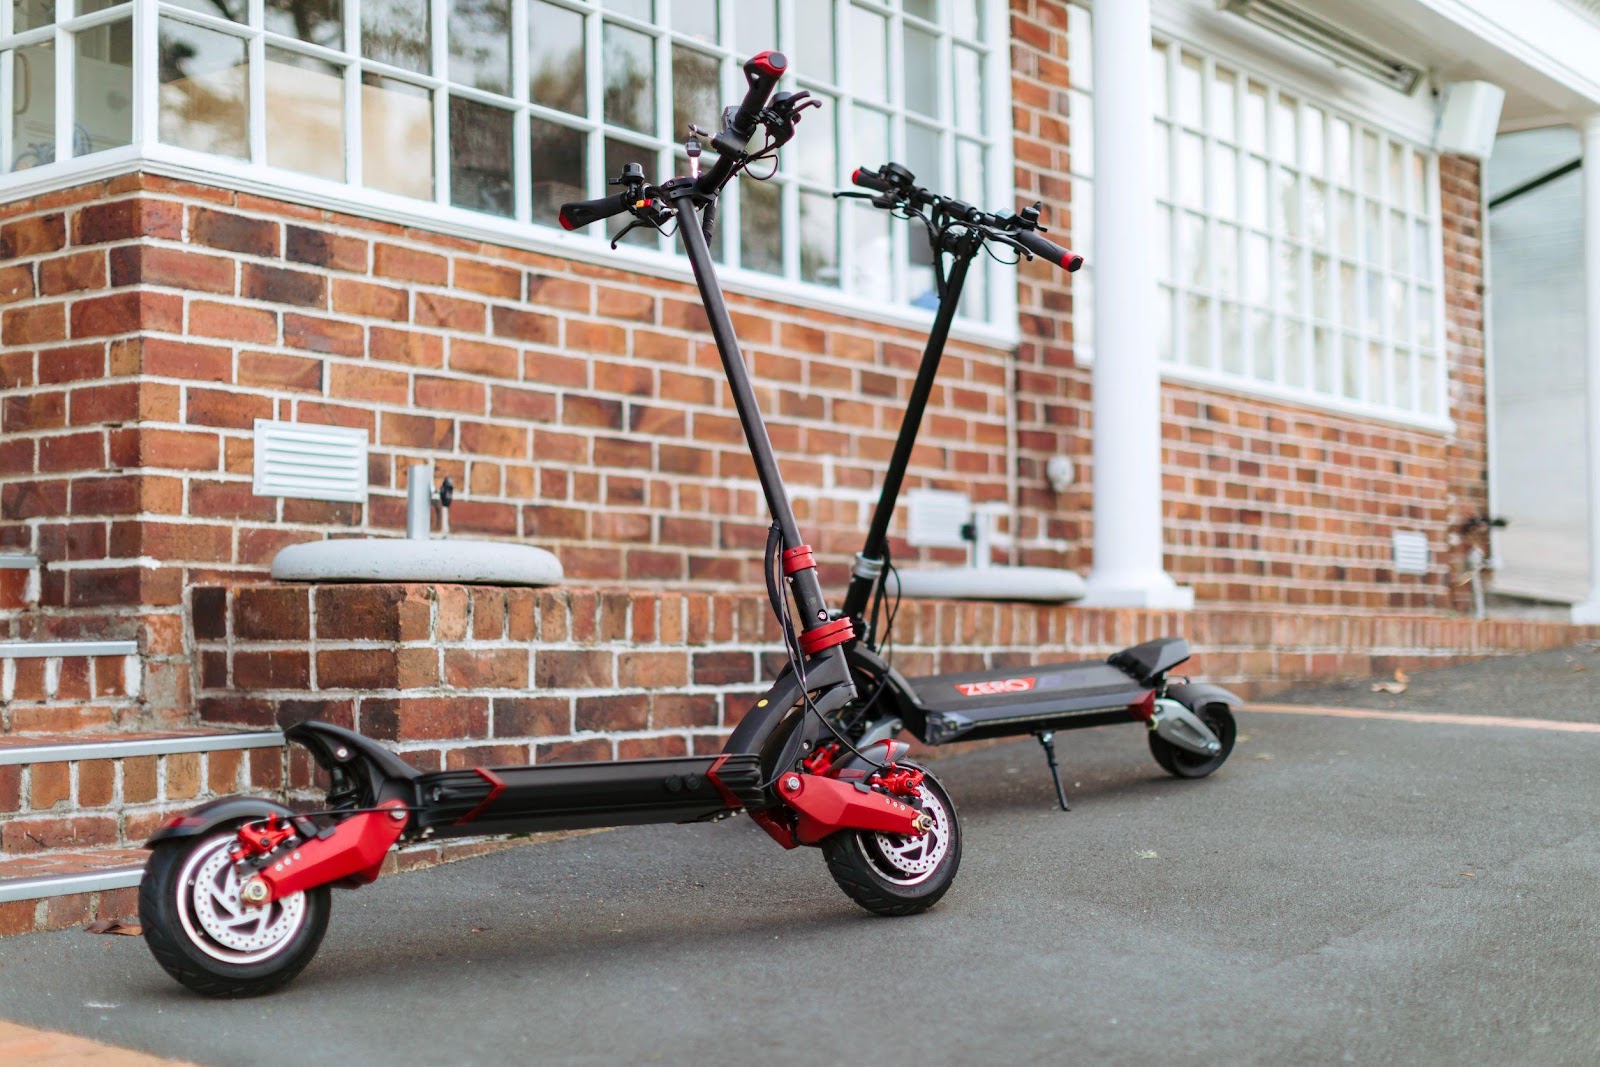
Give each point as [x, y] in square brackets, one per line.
[1145, 854]
[125, 927]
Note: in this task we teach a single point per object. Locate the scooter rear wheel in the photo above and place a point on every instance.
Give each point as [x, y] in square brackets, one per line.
[1185, 764]
[889, 874]
[204, 936]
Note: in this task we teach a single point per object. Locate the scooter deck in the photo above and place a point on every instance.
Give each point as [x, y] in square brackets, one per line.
[1019, 700]
[570, 796]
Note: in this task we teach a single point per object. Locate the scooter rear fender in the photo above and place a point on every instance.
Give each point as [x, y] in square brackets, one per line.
[1196, 695]
[215, 813]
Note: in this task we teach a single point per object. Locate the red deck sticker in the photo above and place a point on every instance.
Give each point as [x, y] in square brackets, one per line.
[991, 688]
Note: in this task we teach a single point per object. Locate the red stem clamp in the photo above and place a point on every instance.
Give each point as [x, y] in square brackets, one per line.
[827, 635]
[798, 559]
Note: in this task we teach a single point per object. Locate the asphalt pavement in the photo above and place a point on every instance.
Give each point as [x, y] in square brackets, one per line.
[1343, 891]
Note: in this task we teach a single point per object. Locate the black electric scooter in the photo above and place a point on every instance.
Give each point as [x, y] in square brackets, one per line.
[1191, 726]
[235, 896]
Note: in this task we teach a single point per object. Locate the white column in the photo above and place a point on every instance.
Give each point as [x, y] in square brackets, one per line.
[1127, 383]
[1589, 128]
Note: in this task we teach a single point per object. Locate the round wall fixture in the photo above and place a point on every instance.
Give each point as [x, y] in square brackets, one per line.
[1061, 473]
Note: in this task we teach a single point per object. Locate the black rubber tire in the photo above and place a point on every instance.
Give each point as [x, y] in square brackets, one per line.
[850, 857]
[182, 958]
[1186, 764]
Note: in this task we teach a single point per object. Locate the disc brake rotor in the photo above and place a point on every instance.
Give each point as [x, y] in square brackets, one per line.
[909, 860]
[217, 920]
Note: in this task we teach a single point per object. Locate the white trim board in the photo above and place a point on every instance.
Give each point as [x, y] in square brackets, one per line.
[53, 649]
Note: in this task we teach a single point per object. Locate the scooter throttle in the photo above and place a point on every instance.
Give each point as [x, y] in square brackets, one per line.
[1047, 249]
[581, 213]
[870, 179]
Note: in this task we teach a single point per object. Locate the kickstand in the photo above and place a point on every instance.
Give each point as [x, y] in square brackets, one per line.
[1047, 738]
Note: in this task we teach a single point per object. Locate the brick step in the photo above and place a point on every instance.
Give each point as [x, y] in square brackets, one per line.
[70, 792]
[19, 582]
[68, 686]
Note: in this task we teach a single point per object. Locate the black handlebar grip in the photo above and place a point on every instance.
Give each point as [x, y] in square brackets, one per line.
[581, 213]
[762, 71]
[870, 179]
[1046, 249]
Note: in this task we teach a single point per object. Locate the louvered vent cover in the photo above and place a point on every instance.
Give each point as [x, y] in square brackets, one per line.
[310, 462]
[1411, 555]
[935, 517]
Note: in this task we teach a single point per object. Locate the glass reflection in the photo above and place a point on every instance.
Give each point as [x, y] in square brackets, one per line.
[33, 106]
[396, 136]
[480, 44]
[305, 114]
[317, 21]
[560, 161]
[397, 32]
[556, 64]
[630, 78]
[695, 91]
[819, 239]
[103, 88]
[204, 90]
[480, 157]
[760, 215]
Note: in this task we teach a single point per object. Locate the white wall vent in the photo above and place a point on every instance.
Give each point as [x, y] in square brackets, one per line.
[1411, 553]
[935, 518]
[310, 462]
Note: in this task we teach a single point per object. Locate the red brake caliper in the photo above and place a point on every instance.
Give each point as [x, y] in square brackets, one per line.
[261, 838]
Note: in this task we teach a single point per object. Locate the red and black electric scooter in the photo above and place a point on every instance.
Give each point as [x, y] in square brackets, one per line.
[1190, 725]
[235, 896]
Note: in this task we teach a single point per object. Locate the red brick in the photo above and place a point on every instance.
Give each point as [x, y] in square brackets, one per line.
[232, 322]
[532, 716]
[270, 370]
[408, 264]
[351, 297]
[215, 407]
[525, 325]
[476, 357]
[127, 312]
[572, 669]
[416, 431]
[451, 394]
[607, 713]
[319, 248]
[139, 781]
[487, 439]
[324, 335]
[370, 383]
[365, 668]
[652, 670]
[233, 233]
[176, 267]
[49, 784]
[96, 783]
[450, 313]
[33, 325]
[69, 274]
[425, 718]
[73, 452]
[591, 751]
[17, 917]
[271, 614]
[16, 283]
[280, 285]
[526, 404]
[404, 346]
[360, 612]
[486, 668]
[36, 411]
[177, 450]
[271, 670]
[33, 236]
[491, 279]
[127, 220]
[183, 776]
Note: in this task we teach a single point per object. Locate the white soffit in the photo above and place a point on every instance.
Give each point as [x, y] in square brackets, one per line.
[310, 462]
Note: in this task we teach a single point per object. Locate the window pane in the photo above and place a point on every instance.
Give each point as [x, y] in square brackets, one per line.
[1349, 297]
[639, 9]
[618, 155]
[1192, 258]
[1160, 240]
[103, 88]
[869, 137]
[1399, 298]
[630, 79]
[556, 68]
[1404, 384]
[1261, 358]
[396, 136]
[697, 18]
[922, 155]
[31, 14]
[480, 44]
[1350, 376]
[967, 20]
[869, 54]
[1293, 345]
[1377, 376]
[970, 96]
[560, 159]
[305, 114]
[318, 21]
[1232, 354]
[1082, 283]
[819, 239]
[1080, 48]
[1222, 104]
[1289, 203]
[1419, 182]
[1427, 385]
[1160, 105]
[480, 157]
[921, 86]
[1371, 168]
[396, 32]
[818, 163]
[969, 172]
[1224, 180]
[869, 276]
[813, 43]
[1317, 212]
[761, 234]
[923, 9]
[1289, 292]
[695, 92]
[1255, 191]
[1286, 132]
[1397, 173]
[1257, 272]
[1190, 91]
[1197, 331]
[1080, 138]
[1345, 232]
[1255, 118]
[1324, 360]
[1342, 152]
[755, 24]
[1321, 288]
[1165, 350]
[1425, 336]
[1312, 140]
[1398, 245]
[1191, 170]
[1421, 252]
[1225, 261]
[33, 129]
[204, 90]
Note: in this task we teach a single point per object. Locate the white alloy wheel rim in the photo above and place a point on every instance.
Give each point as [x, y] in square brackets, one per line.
[218, 922]
[907, 860]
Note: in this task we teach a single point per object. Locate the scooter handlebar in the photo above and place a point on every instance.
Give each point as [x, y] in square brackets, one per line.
[870, 179]
[1048, 250]
[580, 213]
[762, 71]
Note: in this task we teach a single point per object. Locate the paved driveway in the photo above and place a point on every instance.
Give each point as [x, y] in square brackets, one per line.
[1345, 890]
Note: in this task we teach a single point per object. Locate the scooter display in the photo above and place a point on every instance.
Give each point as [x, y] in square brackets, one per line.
[1191, 725]
[235, 897]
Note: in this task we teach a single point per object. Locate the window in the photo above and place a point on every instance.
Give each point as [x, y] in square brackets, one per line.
[507, 108]
[1295, 248]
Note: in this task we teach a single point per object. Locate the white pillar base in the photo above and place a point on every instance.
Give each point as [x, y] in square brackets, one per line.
[1587, 613]
[1152, 590]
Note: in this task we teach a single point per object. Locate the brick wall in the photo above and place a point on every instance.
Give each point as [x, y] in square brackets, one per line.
[147, 322]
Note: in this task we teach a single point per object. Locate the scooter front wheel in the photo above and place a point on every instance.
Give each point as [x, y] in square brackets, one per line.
[202, 933]
[1185, 764]
[890, 874]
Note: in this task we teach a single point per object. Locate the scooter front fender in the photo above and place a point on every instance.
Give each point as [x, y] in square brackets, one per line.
[215, 813]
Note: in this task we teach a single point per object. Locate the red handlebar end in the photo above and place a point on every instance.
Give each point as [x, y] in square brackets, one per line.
[855, 176]
[770, 63]
[566, 223]
[1072, 261]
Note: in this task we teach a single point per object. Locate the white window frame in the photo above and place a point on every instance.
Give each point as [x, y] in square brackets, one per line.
[148, 153]
[1284, 68]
